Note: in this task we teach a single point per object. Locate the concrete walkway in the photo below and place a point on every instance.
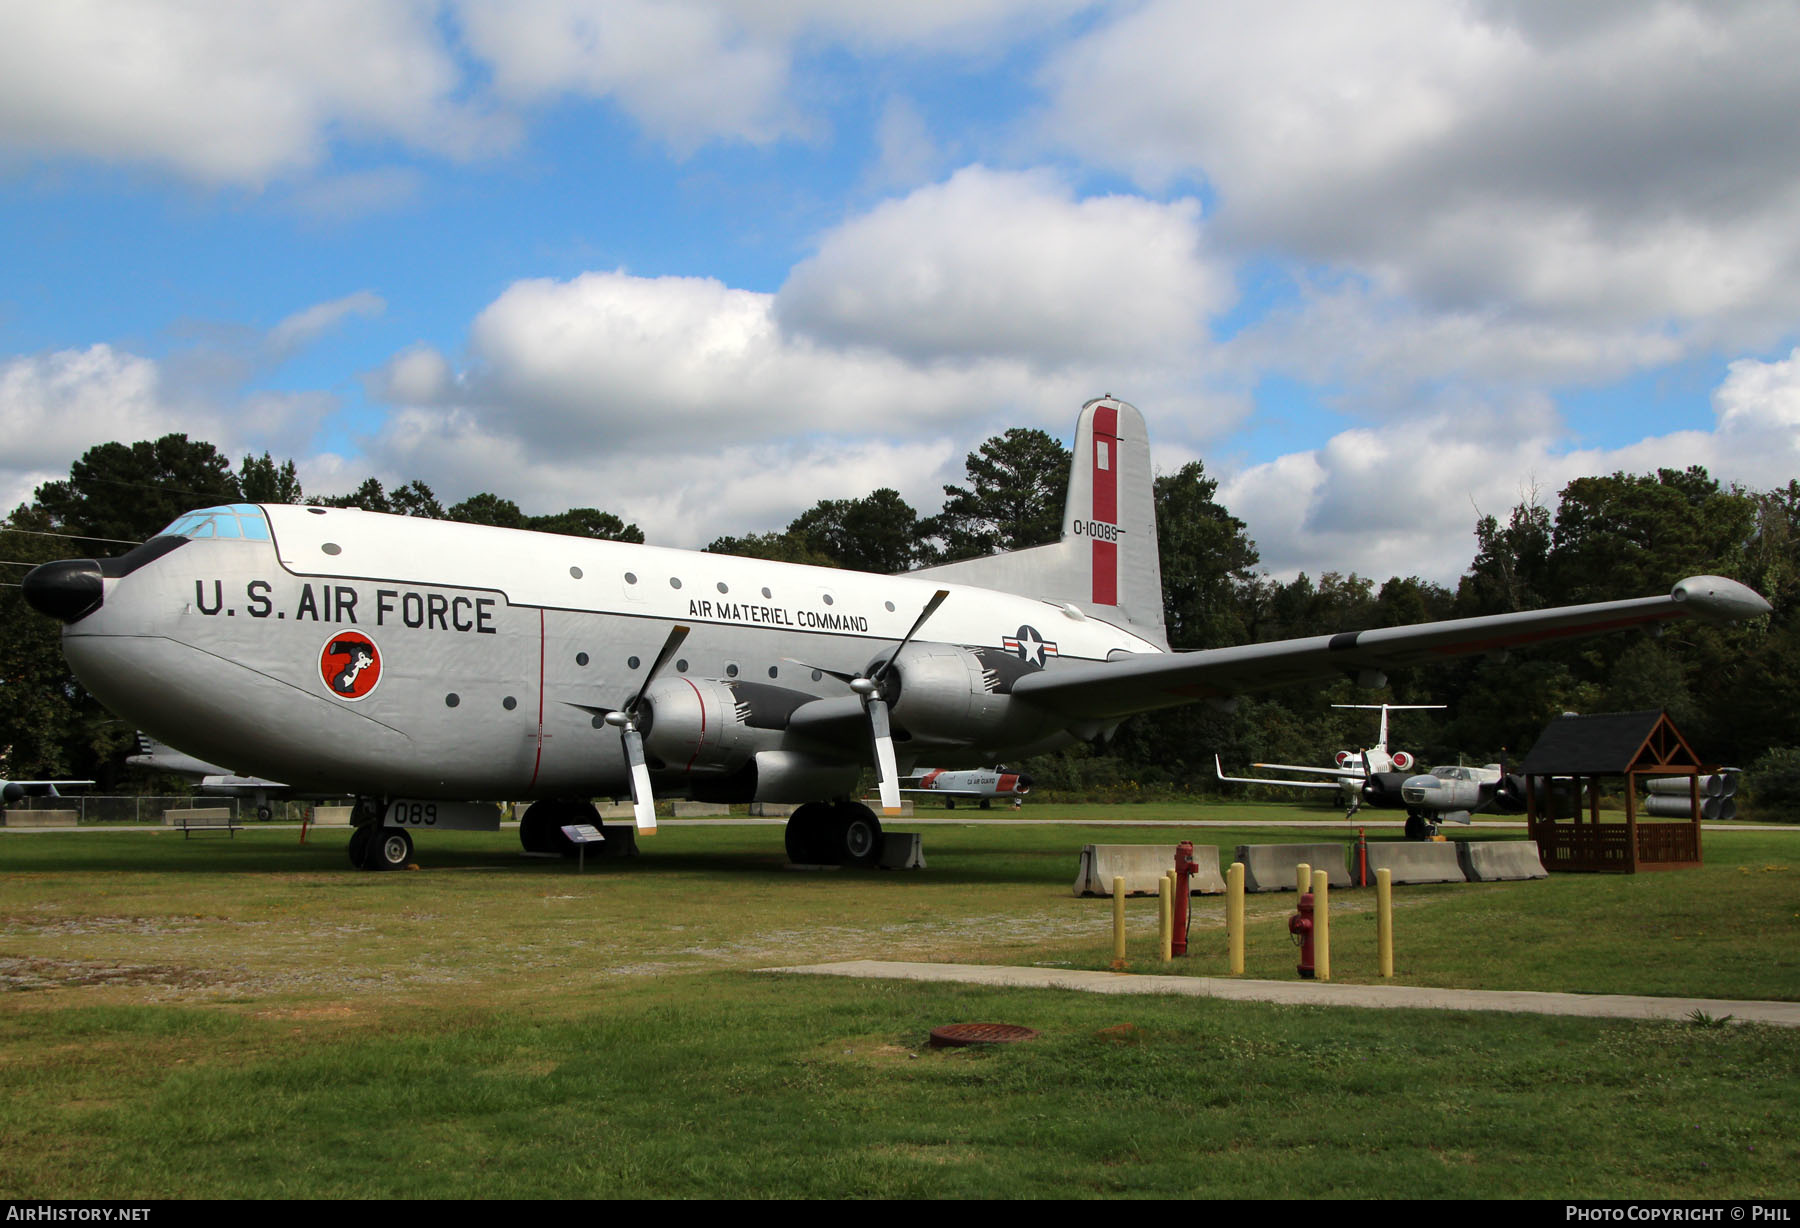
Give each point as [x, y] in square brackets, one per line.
[1319, 993]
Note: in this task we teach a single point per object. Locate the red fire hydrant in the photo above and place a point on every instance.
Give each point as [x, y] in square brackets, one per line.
[1300, 925]
[1185, 868]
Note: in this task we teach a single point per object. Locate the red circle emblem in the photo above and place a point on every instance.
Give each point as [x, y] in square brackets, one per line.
[350, 665]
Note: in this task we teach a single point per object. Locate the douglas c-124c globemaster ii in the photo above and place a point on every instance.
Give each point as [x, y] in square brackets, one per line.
[423, 665]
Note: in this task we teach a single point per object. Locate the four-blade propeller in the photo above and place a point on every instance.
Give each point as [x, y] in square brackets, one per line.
[868, 688]
[625, 720]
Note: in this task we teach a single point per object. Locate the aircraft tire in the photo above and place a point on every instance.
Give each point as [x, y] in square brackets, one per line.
[537, 828]
[856, 835]
[987, 803]
[264, 814]
[1416, 827]
[359, 845]
[807, 836]
[390, 849]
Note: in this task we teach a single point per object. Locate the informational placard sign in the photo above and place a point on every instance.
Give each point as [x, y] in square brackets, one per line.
[581, 835]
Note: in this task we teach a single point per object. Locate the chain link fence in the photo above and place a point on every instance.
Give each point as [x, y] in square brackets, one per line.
[124, 811]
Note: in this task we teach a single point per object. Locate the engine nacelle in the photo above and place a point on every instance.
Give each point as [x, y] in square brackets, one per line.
[944, 695]
[709, 725]
[1403, 762]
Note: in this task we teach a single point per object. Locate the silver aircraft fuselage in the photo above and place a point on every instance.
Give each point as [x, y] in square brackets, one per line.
[342, 650]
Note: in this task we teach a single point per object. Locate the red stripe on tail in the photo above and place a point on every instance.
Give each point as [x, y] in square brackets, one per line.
[1105, 461]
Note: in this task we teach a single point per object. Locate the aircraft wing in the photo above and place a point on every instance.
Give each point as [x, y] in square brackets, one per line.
[1106, 690]
[1335, 773]
[1287, 784]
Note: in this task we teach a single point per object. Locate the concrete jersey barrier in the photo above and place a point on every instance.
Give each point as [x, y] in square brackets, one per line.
[1271, 867]
[1417, 861]
[41, 818]
[1494, 861]
[1142, 866]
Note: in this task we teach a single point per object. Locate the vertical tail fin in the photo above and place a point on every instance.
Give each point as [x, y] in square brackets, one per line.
[1108, 560]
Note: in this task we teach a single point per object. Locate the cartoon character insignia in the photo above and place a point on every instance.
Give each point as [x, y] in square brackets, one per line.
[350, 665]
[1028, 645]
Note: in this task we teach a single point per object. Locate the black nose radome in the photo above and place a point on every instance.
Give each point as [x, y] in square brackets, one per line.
[69, 590]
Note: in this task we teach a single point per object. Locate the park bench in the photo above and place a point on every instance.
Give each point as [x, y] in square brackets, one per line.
[211, 819]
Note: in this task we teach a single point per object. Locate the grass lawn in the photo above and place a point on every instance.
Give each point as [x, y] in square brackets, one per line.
[251, 1018]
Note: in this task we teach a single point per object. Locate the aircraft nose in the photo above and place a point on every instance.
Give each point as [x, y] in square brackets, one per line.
[69, 589]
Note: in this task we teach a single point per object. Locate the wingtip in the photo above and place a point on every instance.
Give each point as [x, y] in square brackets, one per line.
[1718, 599]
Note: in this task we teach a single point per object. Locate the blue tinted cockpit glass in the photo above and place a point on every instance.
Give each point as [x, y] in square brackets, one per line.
[243, 521]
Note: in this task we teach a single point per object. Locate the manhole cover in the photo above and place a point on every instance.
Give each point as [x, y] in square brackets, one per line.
[952, 1034]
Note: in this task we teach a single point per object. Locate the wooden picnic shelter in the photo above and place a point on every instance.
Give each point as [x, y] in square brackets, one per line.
[1584, 750]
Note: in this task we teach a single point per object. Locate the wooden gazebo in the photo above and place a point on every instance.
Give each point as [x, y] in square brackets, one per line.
[1576, 750]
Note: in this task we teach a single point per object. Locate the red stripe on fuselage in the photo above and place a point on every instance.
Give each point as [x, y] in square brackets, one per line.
[1105, 462]
[537, 764]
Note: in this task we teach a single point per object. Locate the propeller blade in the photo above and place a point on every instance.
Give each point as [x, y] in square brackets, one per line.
[671, 646]
[937, 599]
[643, 800]
[840, 675]
[885, 770]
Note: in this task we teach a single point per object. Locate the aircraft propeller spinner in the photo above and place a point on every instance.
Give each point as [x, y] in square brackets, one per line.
[875, 705]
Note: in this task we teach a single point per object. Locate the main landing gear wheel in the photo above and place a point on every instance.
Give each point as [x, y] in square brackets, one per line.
[390, 848]
[540, 829]
[841, 834]
[380, 848]
[359, 845]
[807, 836]
[856, 833]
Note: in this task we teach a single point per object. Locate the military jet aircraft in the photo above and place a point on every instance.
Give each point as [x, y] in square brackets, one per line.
[1351, 770]
[13, 791]
[982, 785]
[426, 666]
[209, 777]
[1453, 793]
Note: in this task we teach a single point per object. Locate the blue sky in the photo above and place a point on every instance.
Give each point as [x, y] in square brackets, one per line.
[701, 264]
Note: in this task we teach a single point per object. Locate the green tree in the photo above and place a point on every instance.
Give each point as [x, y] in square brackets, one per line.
[1014, 499]
[486, 508]
[261, 480]
[49, 725]
[131, 491]
[1206, 558]
[879, 532]
[370, 497]
[777, 547]
[1635, 535]
[587, 522]
[1512, 564]
[416, 499]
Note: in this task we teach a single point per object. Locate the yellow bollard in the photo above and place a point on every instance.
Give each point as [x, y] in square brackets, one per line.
[1165, 902]
[1302, 878]
[1119, 921]
[1234, 916]
[1384, 920]
[1321, 888]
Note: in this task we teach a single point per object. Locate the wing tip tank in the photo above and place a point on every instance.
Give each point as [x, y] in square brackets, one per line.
[1717, 599]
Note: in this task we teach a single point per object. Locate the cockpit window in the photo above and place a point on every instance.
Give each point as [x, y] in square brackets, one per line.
[239, 520]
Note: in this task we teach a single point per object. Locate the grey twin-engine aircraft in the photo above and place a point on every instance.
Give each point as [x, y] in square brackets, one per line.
[423, 665]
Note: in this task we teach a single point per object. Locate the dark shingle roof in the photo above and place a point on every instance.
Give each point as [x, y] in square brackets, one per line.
[1605, 743]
